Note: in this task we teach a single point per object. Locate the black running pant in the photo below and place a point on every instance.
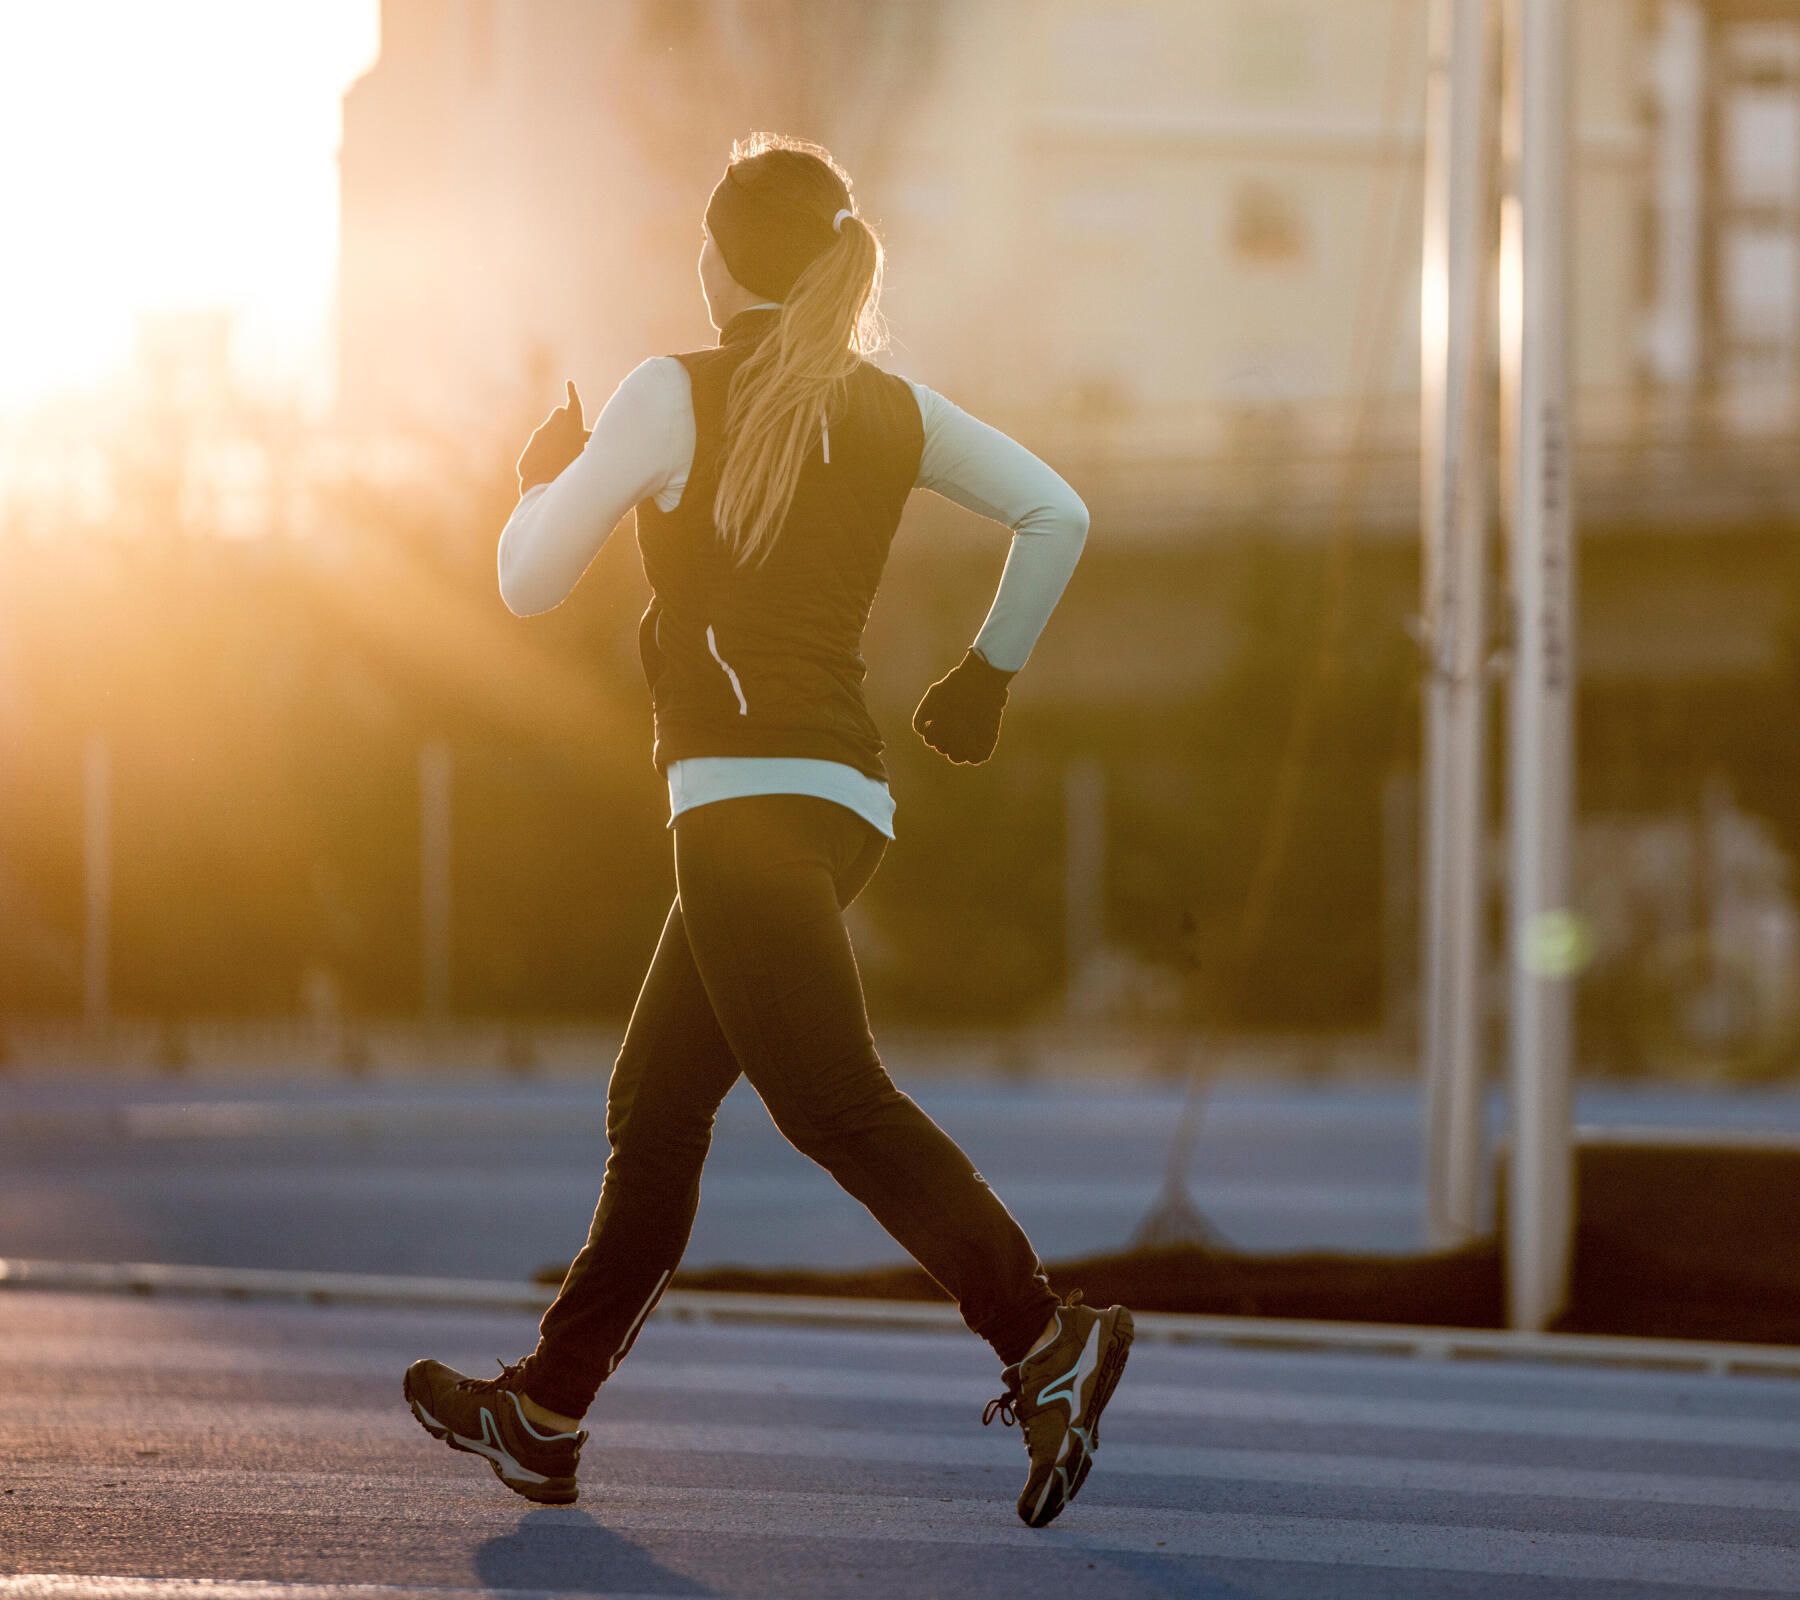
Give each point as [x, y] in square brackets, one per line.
[754, 973]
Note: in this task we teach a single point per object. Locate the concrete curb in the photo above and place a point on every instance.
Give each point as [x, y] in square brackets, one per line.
[916, 1316]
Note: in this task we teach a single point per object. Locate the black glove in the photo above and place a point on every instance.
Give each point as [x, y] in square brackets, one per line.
[960, 714]
[556, 443]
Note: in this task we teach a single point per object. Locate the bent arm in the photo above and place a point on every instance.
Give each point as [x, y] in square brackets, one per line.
[635, 451]
[985, 471]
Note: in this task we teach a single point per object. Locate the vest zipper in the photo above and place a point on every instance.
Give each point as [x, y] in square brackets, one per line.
[737, 688]
[825, 435]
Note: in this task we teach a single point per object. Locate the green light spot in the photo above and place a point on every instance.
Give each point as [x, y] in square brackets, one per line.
[1557, 944]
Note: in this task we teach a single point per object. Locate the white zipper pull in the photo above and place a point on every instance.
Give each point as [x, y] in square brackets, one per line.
[825, 434]
[712, 644]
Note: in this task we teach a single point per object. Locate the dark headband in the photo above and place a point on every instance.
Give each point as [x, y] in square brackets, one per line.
[767, 241]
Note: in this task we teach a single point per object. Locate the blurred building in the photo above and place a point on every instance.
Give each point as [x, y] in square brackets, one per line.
[1170, 239]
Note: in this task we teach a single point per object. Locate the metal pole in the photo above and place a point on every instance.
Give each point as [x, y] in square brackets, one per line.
[1545, 936]
[97, 874]
[1453, 434]
[434, 875]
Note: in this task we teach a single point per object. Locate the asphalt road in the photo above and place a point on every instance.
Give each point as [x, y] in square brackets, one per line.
[492, 1180]
[153, 1443]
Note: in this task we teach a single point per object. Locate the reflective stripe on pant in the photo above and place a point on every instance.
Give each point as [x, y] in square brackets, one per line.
[755, 971]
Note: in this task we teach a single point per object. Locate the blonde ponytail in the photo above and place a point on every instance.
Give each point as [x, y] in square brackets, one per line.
[783, 394]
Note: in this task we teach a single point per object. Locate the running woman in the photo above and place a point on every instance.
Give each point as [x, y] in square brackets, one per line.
[769, 474]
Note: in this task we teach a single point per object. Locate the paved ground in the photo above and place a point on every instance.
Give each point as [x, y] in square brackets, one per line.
[173, 1440]
[493, 1180]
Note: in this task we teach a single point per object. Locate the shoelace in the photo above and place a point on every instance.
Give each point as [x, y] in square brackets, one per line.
[504, 1379]
[1002, 1405]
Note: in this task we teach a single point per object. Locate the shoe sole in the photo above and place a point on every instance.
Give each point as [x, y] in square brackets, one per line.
[551, 1492]
[1112, 1368]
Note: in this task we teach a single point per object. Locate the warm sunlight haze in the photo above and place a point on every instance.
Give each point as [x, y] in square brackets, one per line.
[167, 157]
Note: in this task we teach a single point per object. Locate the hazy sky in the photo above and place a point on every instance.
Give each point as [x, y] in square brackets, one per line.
[169, 154]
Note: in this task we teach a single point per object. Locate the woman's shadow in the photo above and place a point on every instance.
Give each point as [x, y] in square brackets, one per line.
[567, 1550]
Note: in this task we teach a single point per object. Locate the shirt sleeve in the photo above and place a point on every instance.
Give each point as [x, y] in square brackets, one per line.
[642, 445]
[985, 471]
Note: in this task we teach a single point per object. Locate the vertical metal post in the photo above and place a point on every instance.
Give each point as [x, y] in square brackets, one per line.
[434, 875]
[96, 812]
[1546, 938]
[1453, 435]
[1084, 872]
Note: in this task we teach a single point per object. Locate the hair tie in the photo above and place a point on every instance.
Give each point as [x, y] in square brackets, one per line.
[837, 222]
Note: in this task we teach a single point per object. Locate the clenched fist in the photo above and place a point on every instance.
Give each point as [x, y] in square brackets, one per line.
[960, 714]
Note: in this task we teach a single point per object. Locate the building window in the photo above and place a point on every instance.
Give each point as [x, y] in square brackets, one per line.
[1267, 228]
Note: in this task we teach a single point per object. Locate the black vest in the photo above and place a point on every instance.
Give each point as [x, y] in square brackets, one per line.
[767, 660]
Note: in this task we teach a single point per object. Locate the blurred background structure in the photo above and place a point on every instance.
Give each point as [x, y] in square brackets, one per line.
[273, 753]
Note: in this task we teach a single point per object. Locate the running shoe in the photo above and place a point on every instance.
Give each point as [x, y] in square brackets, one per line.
[483, 1416]
[1056, 1395]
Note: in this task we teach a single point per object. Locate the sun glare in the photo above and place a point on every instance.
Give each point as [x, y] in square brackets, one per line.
[170, 157]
